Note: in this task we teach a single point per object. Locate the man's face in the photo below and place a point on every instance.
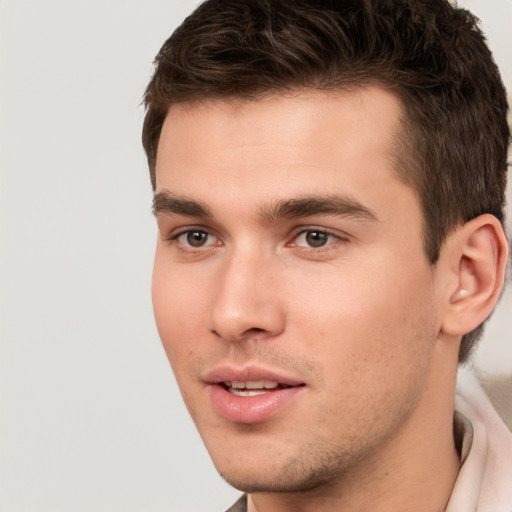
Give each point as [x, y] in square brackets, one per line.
[291, 291]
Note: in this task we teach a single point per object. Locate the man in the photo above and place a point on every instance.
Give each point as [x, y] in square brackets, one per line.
[329, 185]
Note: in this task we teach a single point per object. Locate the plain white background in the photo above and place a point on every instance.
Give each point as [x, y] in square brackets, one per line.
[90, 417]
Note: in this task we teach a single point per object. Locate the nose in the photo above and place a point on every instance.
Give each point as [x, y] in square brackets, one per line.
[247, 302]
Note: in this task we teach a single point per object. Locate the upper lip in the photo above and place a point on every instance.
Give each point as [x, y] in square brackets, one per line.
[248, 374]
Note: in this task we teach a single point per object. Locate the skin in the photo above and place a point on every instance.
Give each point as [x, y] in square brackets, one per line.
[357, 320]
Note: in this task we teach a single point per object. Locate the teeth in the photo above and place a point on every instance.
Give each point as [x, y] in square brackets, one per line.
[247, 392]
[257, 384]
[252, 385]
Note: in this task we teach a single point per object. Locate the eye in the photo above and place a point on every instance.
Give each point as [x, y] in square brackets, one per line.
[193, 239]
[314, 238]
[196, 238]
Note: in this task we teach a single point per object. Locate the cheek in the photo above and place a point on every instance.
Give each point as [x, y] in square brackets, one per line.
[366, 319]
[372, 350]
[178, 311]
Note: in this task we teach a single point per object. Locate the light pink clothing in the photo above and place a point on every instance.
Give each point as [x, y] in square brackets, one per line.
[484, 483]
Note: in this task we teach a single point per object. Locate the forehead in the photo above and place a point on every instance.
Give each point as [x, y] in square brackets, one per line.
[308, 142]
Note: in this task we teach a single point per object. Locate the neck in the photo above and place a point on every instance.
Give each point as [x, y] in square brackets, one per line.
[414, 470]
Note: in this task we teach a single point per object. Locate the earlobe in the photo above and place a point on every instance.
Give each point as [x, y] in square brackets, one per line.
[479, 250]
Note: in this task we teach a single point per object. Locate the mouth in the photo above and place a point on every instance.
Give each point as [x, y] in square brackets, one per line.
[251, 395]
[253, 388]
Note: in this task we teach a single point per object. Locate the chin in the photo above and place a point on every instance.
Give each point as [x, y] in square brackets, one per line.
[290, 476]
[253, 485]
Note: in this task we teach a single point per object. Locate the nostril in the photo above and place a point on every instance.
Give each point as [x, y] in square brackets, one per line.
[254, 330]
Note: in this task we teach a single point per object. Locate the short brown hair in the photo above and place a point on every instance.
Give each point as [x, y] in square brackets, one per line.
[452, 149]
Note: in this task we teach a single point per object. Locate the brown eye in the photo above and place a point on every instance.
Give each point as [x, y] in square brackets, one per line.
[316, 238]
[196, 238]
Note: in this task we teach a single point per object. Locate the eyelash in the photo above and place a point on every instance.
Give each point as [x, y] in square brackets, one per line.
[184, 246]
[174, 239]
[320, 231]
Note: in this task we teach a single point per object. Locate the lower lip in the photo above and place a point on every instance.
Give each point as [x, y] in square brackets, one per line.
[251, 409]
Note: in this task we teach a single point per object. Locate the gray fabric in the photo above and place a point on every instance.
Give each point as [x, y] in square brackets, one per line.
[463, 434]
[240, 505]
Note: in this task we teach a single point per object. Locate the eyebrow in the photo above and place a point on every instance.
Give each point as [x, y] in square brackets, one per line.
[166, 202]
[305, 206]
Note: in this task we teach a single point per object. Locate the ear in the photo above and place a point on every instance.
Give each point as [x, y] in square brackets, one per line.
[478, 257]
